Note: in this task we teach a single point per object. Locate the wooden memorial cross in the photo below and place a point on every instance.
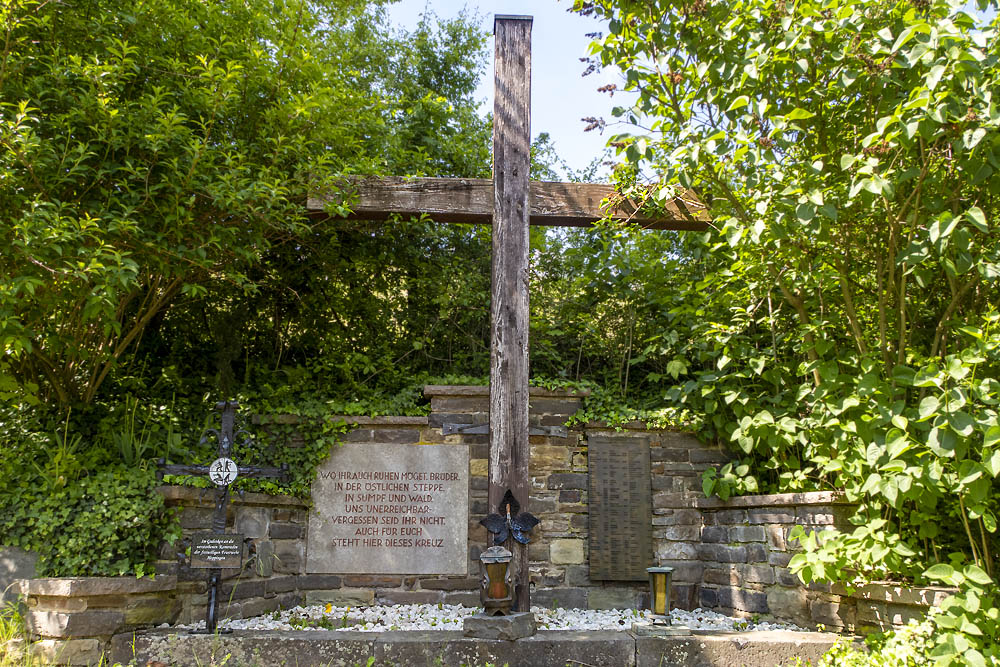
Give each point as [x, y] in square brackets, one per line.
[510, 202]
[219, 549]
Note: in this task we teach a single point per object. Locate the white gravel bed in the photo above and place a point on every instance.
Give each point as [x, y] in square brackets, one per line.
[381, 618]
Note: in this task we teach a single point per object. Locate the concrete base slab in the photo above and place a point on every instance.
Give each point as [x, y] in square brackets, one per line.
[657, 630]
[517, 625]
[725, 649]
[547, 648]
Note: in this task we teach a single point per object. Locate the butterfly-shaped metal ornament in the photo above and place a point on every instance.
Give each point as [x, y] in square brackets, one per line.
[509, 521]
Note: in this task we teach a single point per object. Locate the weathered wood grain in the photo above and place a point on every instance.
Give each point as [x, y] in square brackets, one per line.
[509, 453]
[470, 200]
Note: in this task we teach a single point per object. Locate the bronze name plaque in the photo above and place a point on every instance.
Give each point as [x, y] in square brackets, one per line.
[621, 542]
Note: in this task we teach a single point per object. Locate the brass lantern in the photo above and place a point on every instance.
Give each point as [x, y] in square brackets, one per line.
[497, 592]
[659, 593]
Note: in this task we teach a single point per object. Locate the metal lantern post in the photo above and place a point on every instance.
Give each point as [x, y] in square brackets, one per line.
[659, 593]
[497, 590]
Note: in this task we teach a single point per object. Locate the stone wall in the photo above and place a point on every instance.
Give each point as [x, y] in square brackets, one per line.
[75, 618]
[744, 551]
[730, 556]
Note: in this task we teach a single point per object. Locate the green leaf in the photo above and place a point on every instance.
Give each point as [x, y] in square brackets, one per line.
[976, 216]
[962, 422]
[974, 658]
[940, 572]
[934, 76]
[974, 574]
[799, 114]
[928, 407]
[739, 102]
[991, 461]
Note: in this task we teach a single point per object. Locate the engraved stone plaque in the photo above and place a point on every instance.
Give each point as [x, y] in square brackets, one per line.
[621, 545]
[390, 509]
[209, 550]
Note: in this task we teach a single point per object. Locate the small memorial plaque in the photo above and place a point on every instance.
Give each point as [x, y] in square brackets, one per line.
[217, 550]
[621, 545]
[390, 509]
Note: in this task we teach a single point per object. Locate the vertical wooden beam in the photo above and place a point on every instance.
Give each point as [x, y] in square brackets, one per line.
[509, 451]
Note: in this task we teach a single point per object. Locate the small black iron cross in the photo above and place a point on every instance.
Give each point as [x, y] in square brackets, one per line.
[222, 472]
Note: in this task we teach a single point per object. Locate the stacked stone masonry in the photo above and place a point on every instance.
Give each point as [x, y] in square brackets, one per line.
[728, 556]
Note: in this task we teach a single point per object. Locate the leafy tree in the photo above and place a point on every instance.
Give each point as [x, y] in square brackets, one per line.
[844, 332]
[154, 151]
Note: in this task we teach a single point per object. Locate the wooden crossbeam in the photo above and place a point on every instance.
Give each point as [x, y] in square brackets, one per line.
[470, 200]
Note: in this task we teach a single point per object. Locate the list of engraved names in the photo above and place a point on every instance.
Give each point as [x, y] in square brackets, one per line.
[390, 508]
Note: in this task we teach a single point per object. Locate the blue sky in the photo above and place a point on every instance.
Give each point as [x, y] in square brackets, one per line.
[560, 95]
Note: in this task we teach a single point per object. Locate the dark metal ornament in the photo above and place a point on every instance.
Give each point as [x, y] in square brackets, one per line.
[222, 472]
[509, 520]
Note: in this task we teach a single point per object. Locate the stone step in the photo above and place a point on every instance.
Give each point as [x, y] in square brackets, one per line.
[545, 649]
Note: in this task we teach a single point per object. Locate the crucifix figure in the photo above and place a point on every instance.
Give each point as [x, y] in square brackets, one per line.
[223, 471]
[510, 202]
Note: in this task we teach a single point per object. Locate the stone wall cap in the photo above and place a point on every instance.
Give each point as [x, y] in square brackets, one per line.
[361, 420]
[195, 496]
[635, 425]
[393, 420]
[484, 390]
[92, 586]
[900, 593]
[777, 500]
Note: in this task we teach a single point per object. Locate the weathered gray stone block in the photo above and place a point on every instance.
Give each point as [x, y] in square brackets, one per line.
[396, 596]
[832, 613]
[709, 598]
[743, 600]
[567, 598]
[722, 553]
[87, 586]
[515, 626]
[253, 522]
[90, 623]
[756, 553]
[709, 455]
[68, 651]
[343, 597]
[566, 551]
[680, 533]
[729, 517]
[772, 516]
[568, 480]
[715, 534]
[264, 561]
[775, 537]
[15, 563]
[685, 571]
[750, 649]
[747, 534]
[309, 582]
[152, 610]
[758, 574]
[613, 598]
[789, 604]
[724, 576]
[676, 551]
[674, 517]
